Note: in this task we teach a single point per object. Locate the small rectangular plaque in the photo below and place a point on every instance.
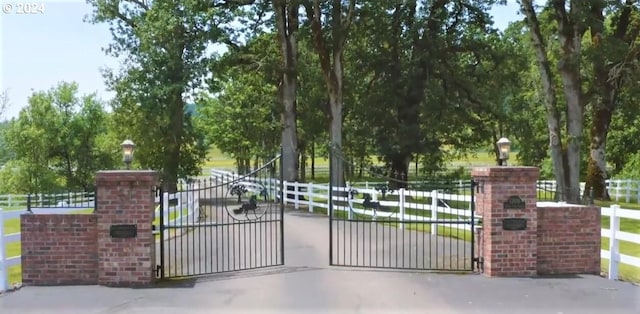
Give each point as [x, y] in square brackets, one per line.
[123, 231]
[514, 224]
[514, 202]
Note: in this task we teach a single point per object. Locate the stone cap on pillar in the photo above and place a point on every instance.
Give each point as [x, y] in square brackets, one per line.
[498, 172]
[114, 176]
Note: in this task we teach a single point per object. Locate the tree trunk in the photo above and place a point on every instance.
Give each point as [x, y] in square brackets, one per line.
[313, 160]
[173, 144]
[570, 31]
[553, 114]
[597, 166]
[331, 64]
[399, 172]
[287, 23]
[607, 87]
[335, 135]
[303, 165]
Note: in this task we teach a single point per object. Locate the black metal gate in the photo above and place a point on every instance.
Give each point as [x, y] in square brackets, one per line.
[391, 223]
[225, 223]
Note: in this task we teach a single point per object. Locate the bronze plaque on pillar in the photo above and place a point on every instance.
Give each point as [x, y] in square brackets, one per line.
[514, 224]
[123, 231]
[514, 202]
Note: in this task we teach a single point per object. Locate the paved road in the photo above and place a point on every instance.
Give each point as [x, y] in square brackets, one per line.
[307, 285]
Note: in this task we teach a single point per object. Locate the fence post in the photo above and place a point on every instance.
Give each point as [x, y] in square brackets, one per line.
[329, 200]
[349, 201]
[191, 208]
[628, 194]
[614, 254]
[310, 196]
[4, 276]
[9, 202]
[401, 201]
[285, 185]
[196, 200]
[434, 211]
[165, 206]
[296, 195]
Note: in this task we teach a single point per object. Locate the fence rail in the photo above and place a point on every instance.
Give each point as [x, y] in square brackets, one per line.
[620, 190]
[44, 200]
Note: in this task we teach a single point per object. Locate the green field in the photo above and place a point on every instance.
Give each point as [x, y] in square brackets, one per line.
[216, 159]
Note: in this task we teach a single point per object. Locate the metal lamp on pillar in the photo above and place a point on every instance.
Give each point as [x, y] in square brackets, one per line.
[127, 152]
[504, 147]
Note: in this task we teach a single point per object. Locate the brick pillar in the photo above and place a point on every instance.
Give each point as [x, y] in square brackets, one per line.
[126, 198]
[507, 252]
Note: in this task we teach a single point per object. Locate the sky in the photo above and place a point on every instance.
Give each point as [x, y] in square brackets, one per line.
[37, 51]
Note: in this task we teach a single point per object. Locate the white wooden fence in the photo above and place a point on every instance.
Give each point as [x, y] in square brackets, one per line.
[10, 200]
[14, 200]
[186, 210]
[616, 235]
[317, 196]
[620, 190]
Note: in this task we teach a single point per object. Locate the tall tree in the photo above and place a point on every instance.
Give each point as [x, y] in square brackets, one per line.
[613, 50]
[330, 40]
[571, 26]
[165, 44]
[418, 61]
[286, 15]
[55, 140]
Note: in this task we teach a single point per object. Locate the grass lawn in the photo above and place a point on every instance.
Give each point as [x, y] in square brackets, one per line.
[19, 207]
[216, 159]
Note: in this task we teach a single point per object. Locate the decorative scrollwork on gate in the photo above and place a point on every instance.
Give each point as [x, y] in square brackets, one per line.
[248, 201]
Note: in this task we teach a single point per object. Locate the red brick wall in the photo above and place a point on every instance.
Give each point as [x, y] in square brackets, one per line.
[507, 253]
[126, 197]
[568, 239]
[78, 249]
[59, 249]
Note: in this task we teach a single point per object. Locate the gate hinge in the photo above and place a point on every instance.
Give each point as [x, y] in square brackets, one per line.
[479, 185]
[479, 261]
